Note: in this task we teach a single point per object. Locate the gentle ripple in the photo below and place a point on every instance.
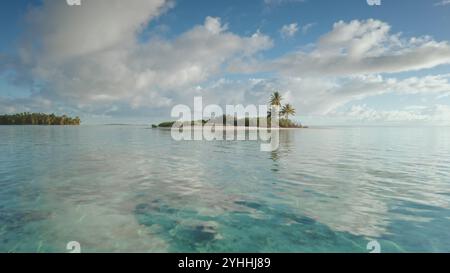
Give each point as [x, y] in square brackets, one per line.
[133, 189]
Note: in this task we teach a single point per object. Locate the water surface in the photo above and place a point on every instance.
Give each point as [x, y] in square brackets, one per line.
[134, 189]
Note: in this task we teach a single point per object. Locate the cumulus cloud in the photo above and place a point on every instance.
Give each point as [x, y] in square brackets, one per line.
[36, 103]
[436, 115]
[91, 55]
[334, 93]
[442, 3]
[346, 65]
[360, 47]
[65, 32]
[289, 30]
[321, 96]
[91, 59]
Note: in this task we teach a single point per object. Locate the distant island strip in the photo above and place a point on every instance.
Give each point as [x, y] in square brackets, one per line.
[259, 122]
[227, 121]
[38, 119]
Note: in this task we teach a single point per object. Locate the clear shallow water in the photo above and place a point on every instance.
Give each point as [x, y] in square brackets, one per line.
[133, 189]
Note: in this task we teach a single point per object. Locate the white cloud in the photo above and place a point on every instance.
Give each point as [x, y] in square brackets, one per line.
[18, 105]
[97, 64]
[321, 96]
[67, 32]
[434, 115]
[356, 48]
[442, 3]
[289, 30]
[90, 57]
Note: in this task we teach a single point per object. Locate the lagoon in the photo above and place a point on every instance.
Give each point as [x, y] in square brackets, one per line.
[134, 189]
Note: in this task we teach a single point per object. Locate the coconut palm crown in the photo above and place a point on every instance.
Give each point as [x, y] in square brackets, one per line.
[275, 99]
[287, 111]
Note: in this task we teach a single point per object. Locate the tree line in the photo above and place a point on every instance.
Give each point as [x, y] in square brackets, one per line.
[38, 119]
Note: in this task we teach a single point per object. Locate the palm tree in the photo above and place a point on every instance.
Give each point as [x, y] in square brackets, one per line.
[287, 111]
[275, 100]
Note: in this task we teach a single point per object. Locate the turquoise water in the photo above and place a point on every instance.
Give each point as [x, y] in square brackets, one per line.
[133, 189]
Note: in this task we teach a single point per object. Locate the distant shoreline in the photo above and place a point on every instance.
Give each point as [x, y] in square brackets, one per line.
[246, 123]
[27, 118]
[232, 128]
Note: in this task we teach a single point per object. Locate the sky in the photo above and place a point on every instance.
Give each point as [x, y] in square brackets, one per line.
[337, 62]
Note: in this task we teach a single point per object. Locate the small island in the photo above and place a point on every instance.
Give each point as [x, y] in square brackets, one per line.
[229, 121]
[38, 119]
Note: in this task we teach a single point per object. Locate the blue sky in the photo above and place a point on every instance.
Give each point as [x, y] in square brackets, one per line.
[337, 62]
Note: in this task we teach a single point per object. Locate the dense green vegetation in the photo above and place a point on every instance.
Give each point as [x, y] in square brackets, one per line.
[287, 111]
[38, 119]
[169, 124]
[287, 123]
